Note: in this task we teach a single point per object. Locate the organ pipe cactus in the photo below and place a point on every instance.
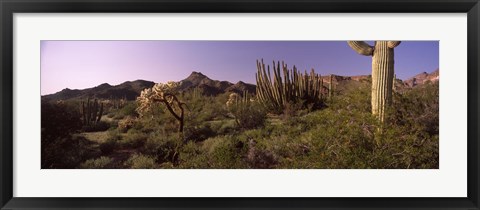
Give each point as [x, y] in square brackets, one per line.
[382, 72]
[287, 85]
[330, 88]
[92, 112]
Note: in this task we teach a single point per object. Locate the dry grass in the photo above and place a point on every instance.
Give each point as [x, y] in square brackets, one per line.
[97, 137]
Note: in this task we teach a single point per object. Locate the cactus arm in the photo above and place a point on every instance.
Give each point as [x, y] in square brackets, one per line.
[361, 47]
[393, 44]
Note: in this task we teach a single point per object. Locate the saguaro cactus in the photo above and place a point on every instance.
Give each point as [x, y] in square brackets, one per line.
[382, 72]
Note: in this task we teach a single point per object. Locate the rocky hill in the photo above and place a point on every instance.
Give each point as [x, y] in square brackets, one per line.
[213, 87]
[422, 78]
[130, 90]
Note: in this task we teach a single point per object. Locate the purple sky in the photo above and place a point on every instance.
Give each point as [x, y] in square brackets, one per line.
[84, 64]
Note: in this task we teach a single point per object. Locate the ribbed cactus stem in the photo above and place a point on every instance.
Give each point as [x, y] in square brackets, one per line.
[92, 112]
[382, 72]
[286, 85]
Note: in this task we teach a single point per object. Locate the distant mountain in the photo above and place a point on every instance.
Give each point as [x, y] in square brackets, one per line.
[422, 78]
[240, 87]
[128, 90]
[213, 87]
[205, 84]
[131, 89]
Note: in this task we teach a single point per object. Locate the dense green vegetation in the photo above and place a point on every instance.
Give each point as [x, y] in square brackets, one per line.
[342, 133]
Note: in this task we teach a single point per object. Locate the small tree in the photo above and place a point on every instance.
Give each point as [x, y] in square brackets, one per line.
[162, 93]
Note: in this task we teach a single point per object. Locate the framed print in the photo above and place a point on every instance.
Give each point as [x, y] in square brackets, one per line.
[239, 105]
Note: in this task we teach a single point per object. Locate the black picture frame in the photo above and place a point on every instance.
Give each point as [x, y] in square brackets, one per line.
[9, 7]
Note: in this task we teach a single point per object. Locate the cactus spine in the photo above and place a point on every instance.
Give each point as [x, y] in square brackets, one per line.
[91, 112]
[382, 72]
[287, 85]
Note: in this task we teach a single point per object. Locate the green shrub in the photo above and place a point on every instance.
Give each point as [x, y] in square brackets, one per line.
[292, 109]
[198, 133]
[223, 127]
[111, 115]
[134, 139]
[191, 156]
[162, 146]
[98, 163]
[59, 147]
[138, 161]
[127, 110]
[58, 120]
[108, 146]
[99, 126]
[65, 152]
[126, 124]
[249, 115]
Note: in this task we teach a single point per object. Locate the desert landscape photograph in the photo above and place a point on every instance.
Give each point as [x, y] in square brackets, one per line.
[165, 104]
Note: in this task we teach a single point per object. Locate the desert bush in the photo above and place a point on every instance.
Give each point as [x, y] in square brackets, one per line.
[224, 127]
[162, 146]
[58, 120]
[350, 139]
[191, 156]
[138, 161]
[292, 109]
[249, 115]
[418, 107]
[133, 139]
[127, 110]
[65, 152]
[356, 98]
[223, 152]
[108, 146]
[98, 163]
[198, 133]
[59, 147]
[99, 126]
[125, 124]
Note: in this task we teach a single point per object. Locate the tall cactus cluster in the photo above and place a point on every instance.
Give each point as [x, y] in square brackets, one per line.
[236, 100]
[287, 85]
[91, 111]
[382, 72]
[196, 93]
[330, 88]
